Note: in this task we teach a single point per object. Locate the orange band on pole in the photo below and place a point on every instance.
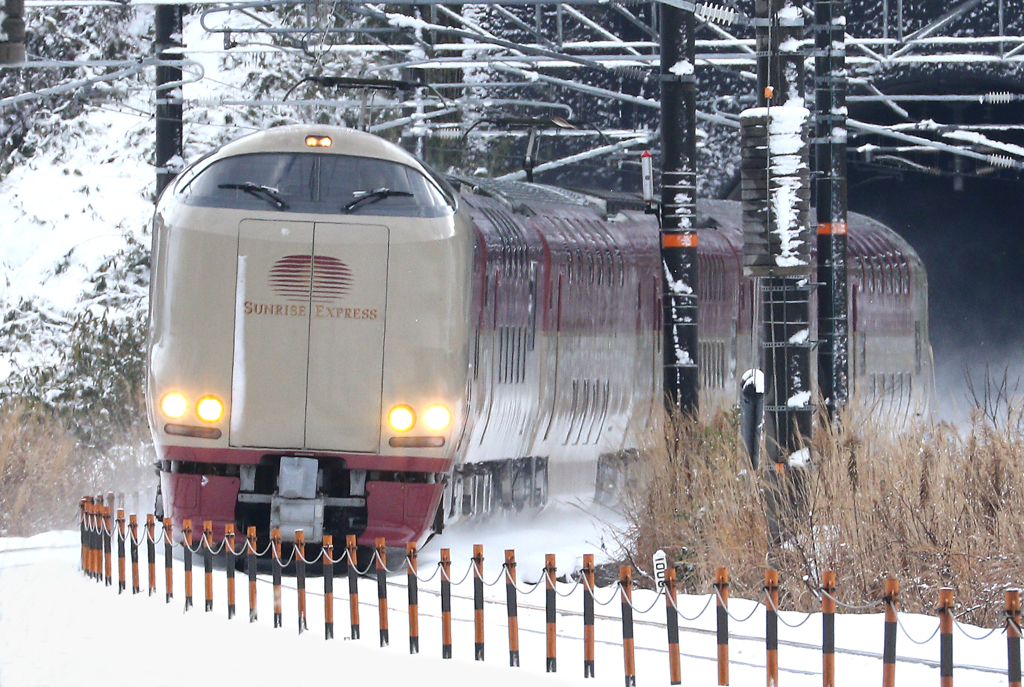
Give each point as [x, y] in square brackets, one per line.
[832, 229]
[688, 240]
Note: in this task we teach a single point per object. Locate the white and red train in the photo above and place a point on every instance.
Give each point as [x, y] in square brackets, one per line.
[342, 343]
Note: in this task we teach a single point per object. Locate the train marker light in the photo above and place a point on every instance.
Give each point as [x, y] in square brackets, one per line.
[174, 405]
[437, 417]
[209, 409]
[401, 418]
[318, 141]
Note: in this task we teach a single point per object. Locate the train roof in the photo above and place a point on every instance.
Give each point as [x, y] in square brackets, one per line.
[292, 139]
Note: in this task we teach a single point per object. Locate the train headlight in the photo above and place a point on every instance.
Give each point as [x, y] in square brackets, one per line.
[401, 418]
[437, 417]
[319, 141]
[174, 405]
[209, 409]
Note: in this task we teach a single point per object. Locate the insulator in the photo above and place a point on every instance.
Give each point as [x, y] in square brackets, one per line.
[632, 72]
[715, 14]
[449, 134]
[999, 98]
[1003, 161]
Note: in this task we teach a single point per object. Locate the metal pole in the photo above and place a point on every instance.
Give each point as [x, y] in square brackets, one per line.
[679, 209]
[12, 48]
[831, 194]
[167, 46]
[786, 344]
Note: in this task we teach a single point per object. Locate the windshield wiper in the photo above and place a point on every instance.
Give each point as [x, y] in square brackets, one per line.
[371, 197]
[265, 192]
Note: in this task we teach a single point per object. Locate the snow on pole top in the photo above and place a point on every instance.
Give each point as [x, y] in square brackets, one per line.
[776, 191]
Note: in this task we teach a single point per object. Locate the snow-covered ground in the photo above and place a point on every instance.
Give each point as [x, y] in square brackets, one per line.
[59, 627]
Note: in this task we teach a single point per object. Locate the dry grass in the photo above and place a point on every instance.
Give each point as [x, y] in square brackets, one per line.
[930, 504]
[45, 470]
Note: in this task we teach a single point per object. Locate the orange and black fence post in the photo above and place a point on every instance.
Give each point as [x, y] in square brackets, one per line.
[414, 598]
[87, 547]
[275, 540]
[168, 559]
[722, 592]
[250, 566]
[588, 615]
[207, 544]
[81, 531]
[672, 623]
[86, 514]
[945, 610]
[353, 584]
[151, 551]
[446, 603]
[186, 531]
[328, 546]
[512, 604]
[108, 530]
[478, 602]
[626, 591]
[891, 601]
[771, 626]
[300, 577]
[828, 628]
[1013, 637]
[87, 537]
[120, 550]
[229, 569]
[549, 611]
[382, 589]
[133, 529]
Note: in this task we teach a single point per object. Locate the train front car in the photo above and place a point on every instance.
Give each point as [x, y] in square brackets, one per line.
[308, 337]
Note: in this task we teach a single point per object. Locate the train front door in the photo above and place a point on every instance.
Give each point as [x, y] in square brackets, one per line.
[346, 336]
[309, 335]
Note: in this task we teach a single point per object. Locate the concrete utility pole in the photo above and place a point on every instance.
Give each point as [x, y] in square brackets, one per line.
[679, 209]
[167, 46]
[12, 32]
[831, 201]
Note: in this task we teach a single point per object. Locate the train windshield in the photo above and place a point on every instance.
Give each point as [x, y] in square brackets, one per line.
[325, 184]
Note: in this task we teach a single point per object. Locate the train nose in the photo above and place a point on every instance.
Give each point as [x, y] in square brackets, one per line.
[309, 335]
